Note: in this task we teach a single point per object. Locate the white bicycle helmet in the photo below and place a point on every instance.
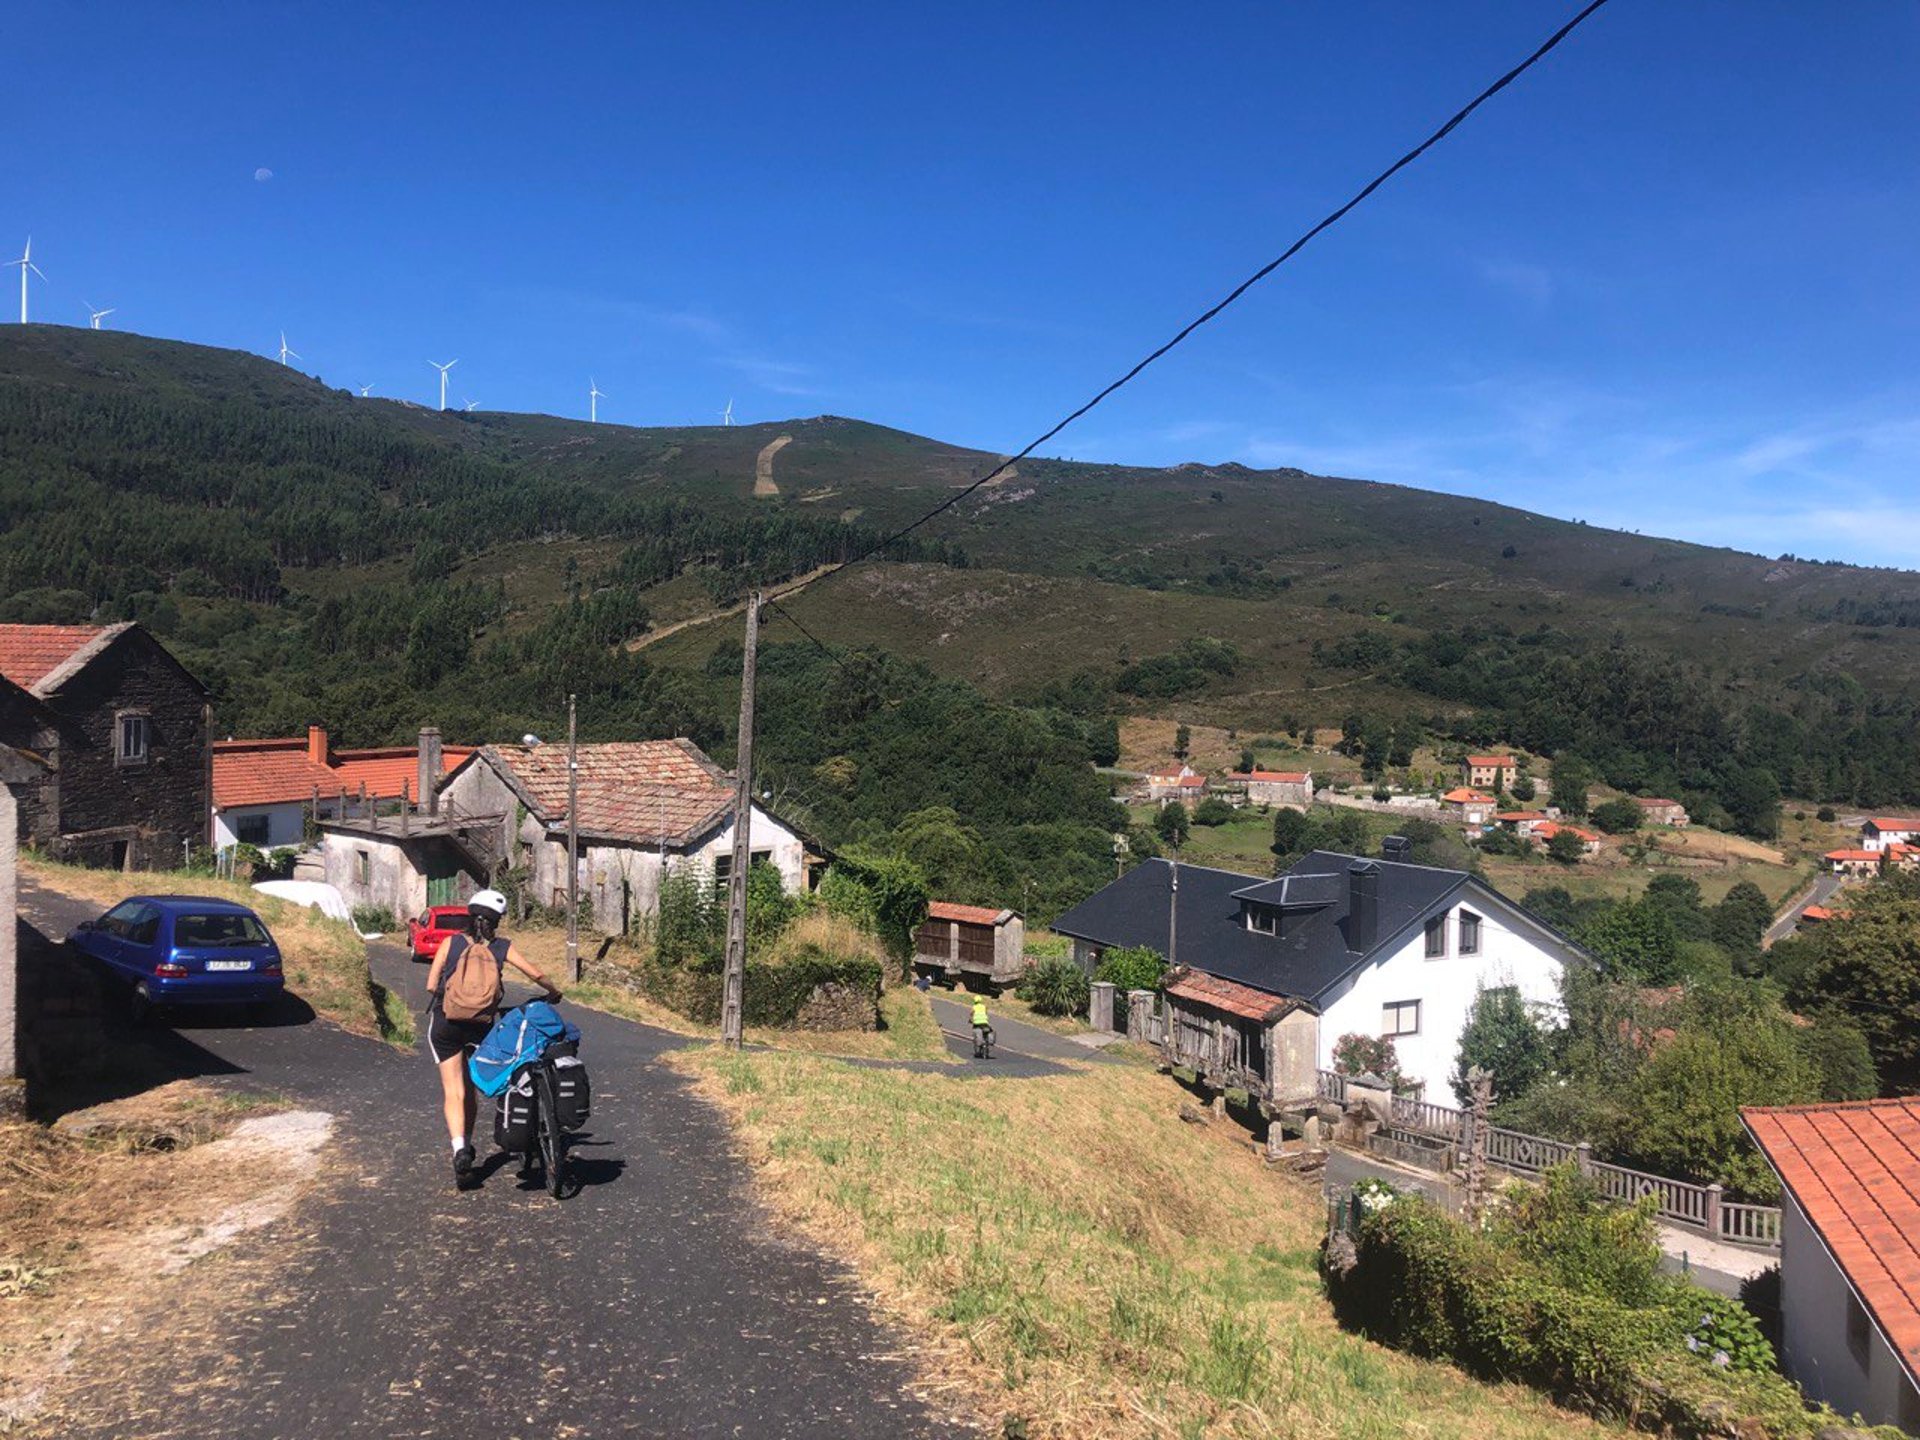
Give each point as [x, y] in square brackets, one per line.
[491, 901]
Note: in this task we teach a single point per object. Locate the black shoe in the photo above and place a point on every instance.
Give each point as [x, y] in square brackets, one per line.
[463, 1168]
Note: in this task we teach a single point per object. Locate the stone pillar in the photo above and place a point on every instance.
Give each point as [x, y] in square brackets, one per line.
[428, 788]
[1373, 1095]
[1140, 1016]
[1714, 1192]
[1583, 1157]
[1100, 1005]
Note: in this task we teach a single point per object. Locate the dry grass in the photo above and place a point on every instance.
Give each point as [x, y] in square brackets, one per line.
[1077, 1257]
[325, 962]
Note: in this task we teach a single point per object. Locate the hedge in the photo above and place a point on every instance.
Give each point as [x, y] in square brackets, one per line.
[1417, 1280]
[773, 995]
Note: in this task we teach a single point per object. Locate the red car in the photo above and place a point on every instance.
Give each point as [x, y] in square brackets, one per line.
[425, 933]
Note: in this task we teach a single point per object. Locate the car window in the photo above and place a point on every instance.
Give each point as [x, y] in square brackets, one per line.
[143, 924]
[117, 920]
[450, 920]
[218, 930]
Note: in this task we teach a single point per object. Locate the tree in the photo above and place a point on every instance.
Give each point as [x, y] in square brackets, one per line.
[1869, 965]
[1212, 811]
[1249, 762]
[1182, 738]
[1172, 824]
[1837, 1050]
[1291, 830]
[1133, 967]
[1679, 896]
[1572, 777]
[1752, 798]
[1634, 940]
[1566, 847]
[1503, 1037]
[1740, 921]
[1523, 790]
[1358, 1054]
[1500, 840]
[1617, 817]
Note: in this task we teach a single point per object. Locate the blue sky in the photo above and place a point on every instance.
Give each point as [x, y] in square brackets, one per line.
[1667, 282]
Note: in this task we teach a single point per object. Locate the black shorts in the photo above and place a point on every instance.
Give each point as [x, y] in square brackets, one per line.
[448, 1038]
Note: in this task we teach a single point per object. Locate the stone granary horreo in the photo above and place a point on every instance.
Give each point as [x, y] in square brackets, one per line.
[119, 730]
[1270, 973]
[646, 808]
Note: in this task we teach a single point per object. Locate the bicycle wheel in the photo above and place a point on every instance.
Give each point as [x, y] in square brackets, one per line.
[553, 1140]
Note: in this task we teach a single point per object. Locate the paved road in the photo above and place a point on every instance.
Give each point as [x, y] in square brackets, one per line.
[661, 1301]
[1018, 1048]
[1822, 891]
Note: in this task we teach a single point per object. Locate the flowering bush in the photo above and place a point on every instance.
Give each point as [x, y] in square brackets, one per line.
[1358, 1054]
[1375, 1195]
[1724, 1334]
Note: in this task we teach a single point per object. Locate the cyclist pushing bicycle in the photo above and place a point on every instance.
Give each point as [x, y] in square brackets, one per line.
[982, 1029]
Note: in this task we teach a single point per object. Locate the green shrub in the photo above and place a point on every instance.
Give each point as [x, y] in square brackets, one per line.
[374, 920]
[1212, 811]
[1055, 987]
[1568, 1228]
[1135, 967]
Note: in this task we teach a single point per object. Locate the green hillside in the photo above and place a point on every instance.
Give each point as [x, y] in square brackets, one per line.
[318, 555]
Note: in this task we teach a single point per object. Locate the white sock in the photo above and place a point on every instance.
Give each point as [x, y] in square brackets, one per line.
[459, 1143]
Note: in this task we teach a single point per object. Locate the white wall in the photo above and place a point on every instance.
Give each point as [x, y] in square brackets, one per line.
[1446, 988]
[1817, 1358]
[286, 824]
[393, 883]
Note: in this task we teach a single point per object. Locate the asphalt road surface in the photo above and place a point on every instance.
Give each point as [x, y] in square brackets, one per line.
[660, 1301]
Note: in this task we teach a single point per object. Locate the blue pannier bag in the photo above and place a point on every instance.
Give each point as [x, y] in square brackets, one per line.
[519, 1037]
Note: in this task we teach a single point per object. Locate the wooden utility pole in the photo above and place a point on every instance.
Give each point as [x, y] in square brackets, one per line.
[732, 997]
[573, 843]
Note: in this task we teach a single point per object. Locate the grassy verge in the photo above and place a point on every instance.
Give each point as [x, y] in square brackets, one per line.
[325, 962]
[909, 1031]
[1092, 1277]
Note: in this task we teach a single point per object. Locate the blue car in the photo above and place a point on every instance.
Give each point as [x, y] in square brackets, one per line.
[185, 950]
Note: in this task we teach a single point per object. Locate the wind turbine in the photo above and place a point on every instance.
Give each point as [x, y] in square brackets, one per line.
[443, 378]
[727, 418]
[469, 405]
[96, 316]
[25, 262]
[365, 390]
[594, 396]
[284, 351]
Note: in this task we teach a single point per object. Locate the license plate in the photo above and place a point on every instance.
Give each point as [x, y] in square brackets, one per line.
[229, 964]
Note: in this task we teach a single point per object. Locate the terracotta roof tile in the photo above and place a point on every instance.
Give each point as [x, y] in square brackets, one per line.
[1227, 995]
[640, 791]
[385, 771]
[1889, 822]
[1281, 777]
[1861, 855]
[1854, 1171]
[265, 772]
[30, 654]
[1500, 762]
[1461, 795]
[971, 914]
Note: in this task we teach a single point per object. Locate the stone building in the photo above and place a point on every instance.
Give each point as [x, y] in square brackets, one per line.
[121, 730]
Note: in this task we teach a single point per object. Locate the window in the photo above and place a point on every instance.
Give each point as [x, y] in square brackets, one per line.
[723, 864]
[143, 927]
[218, 930]
[1859, 1332]
[120, 918]
[130, 735]
[1469, 933]
[253, 830]
[362, 868]
[1436, 937]
[1400, 1017]
[1260, 918]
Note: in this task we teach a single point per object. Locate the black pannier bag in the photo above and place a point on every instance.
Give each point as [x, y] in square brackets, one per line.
[572, 1093]
[513, 1114]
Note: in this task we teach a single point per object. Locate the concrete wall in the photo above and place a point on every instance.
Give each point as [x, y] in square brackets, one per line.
[286, 824]
[1814, 1300]
[394, 881]
[1294, 1055]
[1445, 987]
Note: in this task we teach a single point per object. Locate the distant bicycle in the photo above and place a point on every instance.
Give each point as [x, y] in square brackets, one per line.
[983, 1042]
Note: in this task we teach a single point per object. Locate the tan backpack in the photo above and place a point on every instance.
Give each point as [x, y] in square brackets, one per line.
[471, 989]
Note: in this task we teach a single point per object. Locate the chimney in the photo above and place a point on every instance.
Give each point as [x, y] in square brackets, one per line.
[430, 769]
[1397, 848]
[1363, 906]
[317, 747]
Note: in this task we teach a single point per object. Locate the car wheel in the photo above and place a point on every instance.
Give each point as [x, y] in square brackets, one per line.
[140, 1007]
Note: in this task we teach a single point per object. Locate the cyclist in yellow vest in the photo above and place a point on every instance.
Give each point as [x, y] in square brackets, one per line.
[981, 1025]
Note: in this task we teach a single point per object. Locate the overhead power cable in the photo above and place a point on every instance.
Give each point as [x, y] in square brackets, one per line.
[1545, 48]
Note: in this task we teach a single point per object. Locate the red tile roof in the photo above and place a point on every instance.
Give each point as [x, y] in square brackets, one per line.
[1854, 1171]
[971, 914]
[31, 655]
[386, 770]
[1498, 762]
[1649, 802]
[1546, 830]
[641, 792]
[1283, 777]
[1516, 816]
[1823, 912]
[1461, 795]
[1889, 822]
[1235, 999]
[266, 772]
[1853, 855]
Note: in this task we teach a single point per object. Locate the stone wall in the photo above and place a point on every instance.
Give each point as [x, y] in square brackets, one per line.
[838, 1006]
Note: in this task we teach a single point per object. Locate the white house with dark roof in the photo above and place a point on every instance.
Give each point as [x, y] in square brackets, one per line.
[1339, 944]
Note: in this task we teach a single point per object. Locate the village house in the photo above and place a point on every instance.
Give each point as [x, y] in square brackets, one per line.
[1524, 823]
[1656, 811]
[1853, 862]
[1269, 974]
[119, 729]
[1184, 783]
[1849, 1252]
[264, 789]
[1884, 830]
[1284, 789]
[646, 808]
[1489, 772]
[1545, 830]
[971, 943]
[1470, 807]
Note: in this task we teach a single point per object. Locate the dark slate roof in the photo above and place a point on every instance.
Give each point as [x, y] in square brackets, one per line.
[1306, 963]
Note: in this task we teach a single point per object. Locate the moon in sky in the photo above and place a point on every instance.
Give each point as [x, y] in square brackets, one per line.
[263, 174]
